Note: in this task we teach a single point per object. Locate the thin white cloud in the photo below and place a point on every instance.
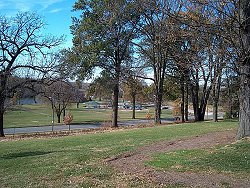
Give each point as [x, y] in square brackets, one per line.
[27, 5]
[56, 10]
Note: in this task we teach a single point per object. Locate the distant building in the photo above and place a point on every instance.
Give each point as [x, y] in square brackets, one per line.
[29, 100]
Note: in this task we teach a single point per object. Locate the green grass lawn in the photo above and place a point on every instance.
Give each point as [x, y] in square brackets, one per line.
[232, 159]
[40, 115]
[28, 115]
[77, 161]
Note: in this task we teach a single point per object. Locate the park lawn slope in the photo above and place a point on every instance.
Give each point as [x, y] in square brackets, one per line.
[229, 159]
[79, 161]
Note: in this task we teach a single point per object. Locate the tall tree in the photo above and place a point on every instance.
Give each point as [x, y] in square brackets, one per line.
[157, 35]
[102, 38]
[206, 48]
[235, 31]
[21, 45]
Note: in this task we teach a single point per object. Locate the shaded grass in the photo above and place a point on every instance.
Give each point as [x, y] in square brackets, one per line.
[41, 115]
[78, 161]
[233, 158]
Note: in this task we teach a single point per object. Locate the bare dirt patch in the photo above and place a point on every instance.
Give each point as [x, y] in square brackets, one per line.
[132, 164]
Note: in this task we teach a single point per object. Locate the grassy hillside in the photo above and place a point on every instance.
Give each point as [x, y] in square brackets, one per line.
[78, 161]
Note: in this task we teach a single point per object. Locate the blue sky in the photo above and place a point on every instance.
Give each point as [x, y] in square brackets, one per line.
[57, 14]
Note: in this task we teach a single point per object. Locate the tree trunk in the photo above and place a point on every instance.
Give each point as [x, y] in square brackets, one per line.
[115, 104]
[58, 113]
[1, 124]
[77, 105]
[186, 102]
[200, 98]
[158, 95]
[229, 97]
[215, 103]
[216, 95]
[201, 115]
[157, 110]
[244, 97]
[3, 81]
[195, 100]
[182, 98]
[64, 113]
[2, 99]
[133, 101]
[158, 102]
[199, 108]
[215, 110]
[58, 117]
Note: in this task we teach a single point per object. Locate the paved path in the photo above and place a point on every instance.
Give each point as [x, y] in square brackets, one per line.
[9, 131]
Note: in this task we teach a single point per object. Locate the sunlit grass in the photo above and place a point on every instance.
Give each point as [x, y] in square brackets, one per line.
[41, 115]
[78, 161]
[233, 159]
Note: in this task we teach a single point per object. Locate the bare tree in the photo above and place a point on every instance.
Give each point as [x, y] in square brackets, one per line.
[21, 45]
[60, 95]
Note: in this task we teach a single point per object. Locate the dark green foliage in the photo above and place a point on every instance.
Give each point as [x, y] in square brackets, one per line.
[102, 38]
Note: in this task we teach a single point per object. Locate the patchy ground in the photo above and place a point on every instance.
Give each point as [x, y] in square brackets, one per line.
[132, 164]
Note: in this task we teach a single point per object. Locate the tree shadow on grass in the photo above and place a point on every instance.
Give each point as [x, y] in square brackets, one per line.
[24, 154]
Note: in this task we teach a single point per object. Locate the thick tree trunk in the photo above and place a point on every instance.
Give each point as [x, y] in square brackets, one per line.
[158, 102]
[116, 96]
[215, 111]
[158, 95]
[77, 105]
[244, 97]
[133, 103]
[199, 108]
[115, 104]
[201, 115]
